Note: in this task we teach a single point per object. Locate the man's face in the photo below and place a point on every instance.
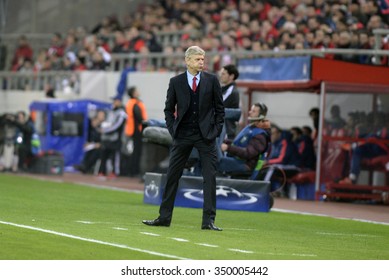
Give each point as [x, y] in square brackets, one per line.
[225, 78]
[254, 112]
[295, 135]
[195, 63]
[117, 103]
[21, 118]
[275, 134]
[100, 116]
[136, 93]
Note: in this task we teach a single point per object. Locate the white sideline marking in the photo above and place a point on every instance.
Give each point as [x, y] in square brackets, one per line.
[92, 223]
[179, 239]
[346, 234]
[207, 245]
[243, 229]
[241, 251]
[323, 215]
[304, 255]
[107, 187]
[149, 233]
[293, 254]
[120, 228]
[94, 241]
[85, 222]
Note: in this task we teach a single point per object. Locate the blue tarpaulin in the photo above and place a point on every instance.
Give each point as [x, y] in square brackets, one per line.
[275, 69]
[63, 126]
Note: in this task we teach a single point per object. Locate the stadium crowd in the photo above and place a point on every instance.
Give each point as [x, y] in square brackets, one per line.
[215, 26]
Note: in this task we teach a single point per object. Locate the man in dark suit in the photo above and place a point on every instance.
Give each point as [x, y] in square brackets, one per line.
[228, 75]
[194, 115]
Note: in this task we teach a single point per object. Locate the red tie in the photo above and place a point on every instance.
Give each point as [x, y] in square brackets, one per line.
[194, 85]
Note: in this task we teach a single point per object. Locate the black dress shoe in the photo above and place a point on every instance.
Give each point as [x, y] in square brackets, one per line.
[157, 223]
[211, 226]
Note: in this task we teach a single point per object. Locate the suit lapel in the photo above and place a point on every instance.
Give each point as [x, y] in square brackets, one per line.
[184, 84]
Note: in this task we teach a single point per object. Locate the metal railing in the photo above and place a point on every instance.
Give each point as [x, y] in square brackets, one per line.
[378, 34]
[39, 81]
[158, 61]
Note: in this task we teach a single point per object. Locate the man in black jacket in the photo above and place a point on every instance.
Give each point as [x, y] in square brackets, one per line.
[194, 115]
[228, 74]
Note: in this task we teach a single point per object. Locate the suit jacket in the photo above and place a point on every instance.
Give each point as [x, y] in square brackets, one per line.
[211, 109]
[232, 101]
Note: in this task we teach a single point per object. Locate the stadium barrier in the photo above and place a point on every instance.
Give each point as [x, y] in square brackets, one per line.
[231, 194]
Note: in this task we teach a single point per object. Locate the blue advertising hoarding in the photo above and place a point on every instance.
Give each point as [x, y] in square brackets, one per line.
[275, 69]
[231, 194]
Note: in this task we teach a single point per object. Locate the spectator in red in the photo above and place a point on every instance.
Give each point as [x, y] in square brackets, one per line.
[80, 64]
[57, 45]
[136, 42]
[23, 52]
[318, 41]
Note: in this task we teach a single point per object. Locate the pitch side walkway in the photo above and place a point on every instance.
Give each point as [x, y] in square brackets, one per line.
[358, 211]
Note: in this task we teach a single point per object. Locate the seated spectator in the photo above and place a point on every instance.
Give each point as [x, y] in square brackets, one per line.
[92, 147]
[285, 156]
[249, 145]
[346, 43]
[335, 121]
[23, 52]
[307, 130]
[305, 147]
[57, 46]
[283, 150]
[335, 125]
[121, 45]
[370, 149]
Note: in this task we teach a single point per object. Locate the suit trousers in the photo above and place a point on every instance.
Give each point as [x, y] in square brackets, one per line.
[179, 154]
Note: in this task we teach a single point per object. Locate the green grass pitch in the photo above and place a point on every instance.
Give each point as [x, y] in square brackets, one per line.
[42, 220]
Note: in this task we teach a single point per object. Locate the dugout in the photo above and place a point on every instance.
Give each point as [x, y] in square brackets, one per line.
[63, 126]
[354, 88]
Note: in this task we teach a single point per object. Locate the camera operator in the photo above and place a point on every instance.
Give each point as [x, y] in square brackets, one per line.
[20, 129]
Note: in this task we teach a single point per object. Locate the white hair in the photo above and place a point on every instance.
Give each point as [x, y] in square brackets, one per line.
[194, 50]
